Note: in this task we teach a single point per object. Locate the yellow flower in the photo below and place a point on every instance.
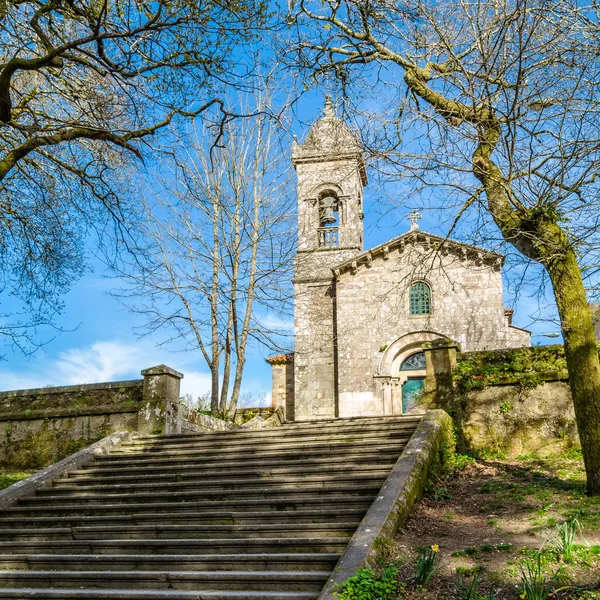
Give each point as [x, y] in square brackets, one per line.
[435, 548]
[523, 596]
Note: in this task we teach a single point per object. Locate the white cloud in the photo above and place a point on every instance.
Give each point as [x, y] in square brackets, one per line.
[275, 323]
[106, 360]
[114, 360]
[102, 361]
[195, 383]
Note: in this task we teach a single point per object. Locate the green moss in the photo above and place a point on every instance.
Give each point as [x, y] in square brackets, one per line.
[8, 478]
[526, 367]
[47, 445]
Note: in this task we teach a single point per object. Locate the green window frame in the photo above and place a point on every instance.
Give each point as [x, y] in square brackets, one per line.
[419, 297]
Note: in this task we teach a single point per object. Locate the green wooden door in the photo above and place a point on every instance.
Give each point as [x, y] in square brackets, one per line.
[411, 389]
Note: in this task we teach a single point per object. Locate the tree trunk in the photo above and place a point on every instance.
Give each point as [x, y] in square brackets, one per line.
[543, 240]
[227, 366]
[581, 353]
[214, 306]
[214, 389]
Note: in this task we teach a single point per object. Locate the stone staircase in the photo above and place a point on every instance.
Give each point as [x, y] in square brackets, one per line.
[262, 514]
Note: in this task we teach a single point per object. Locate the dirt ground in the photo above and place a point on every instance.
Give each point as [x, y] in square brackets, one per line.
[491, 517]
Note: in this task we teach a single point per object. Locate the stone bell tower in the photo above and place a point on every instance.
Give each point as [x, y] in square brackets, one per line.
[331, 177]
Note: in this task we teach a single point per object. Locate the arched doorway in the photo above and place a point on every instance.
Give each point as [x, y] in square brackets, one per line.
[402, 371]
[412, 378]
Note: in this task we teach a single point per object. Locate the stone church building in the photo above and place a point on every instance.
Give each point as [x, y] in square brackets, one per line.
[362, 317]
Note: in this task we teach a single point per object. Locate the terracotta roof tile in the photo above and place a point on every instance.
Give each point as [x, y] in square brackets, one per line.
[280, 358]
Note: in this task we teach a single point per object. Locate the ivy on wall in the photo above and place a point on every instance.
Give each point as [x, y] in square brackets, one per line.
[525, 367]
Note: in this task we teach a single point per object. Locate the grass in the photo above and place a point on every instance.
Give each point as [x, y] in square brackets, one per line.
[7, 478]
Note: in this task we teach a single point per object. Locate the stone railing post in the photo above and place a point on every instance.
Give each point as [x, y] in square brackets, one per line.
[283, 383]
[440, 360]
[160, 400]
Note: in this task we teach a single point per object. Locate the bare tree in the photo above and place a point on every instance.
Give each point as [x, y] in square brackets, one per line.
[499, 101]
[84, 86]
[221, 241]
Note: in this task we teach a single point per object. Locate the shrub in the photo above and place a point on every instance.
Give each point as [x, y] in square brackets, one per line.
[367, 584]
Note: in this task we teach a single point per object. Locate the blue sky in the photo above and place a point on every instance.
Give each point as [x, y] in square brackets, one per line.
[99, 343]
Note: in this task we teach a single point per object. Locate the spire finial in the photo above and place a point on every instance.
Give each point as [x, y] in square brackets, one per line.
[328, 110]
[414, 217]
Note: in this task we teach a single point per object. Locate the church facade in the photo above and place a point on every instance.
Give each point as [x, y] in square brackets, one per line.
[362, 317]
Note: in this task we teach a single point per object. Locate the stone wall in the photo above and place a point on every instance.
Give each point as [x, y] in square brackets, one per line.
[503, 419]
[40, 426]
[506, 419]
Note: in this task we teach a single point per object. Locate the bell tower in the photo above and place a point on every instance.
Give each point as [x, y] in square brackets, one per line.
[331, 176]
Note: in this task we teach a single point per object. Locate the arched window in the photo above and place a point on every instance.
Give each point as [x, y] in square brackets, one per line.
[419, 297]
[415, 362]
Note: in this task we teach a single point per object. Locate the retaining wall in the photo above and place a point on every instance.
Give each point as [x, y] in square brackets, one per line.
[503, 418]
[41, 426]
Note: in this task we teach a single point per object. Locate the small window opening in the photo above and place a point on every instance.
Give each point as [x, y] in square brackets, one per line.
[419, 299]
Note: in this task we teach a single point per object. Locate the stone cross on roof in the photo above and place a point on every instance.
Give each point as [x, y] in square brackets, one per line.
[414, 217]
[328, 109]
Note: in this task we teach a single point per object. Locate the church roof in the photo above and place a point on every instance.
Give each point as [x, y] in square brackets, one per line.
[329, 138]
[434, 242]
[280, 359]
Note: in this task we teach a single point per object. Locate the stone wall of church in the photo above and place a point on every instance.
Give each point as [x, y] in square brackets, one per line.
[314, 351]
[373, 311]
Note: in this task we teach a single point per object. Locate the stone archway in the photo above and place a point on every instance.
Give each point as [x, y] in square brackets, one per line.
[389, 372]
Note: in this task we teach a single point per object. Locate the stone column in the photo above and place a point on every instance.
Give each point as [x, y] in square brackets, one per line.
[160, 400]
[440, 358]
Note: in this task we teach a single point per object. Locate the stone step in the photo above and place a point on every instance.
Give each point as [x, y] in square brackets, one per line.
[87, 594]
[281, 504]
[246, 545]
[83, 478]
[349, 421]
[261, 514]
[187, 531]
[343, 460]
[201, 483]
[302, 581]
[403, 429]
[297, 428]
[199, 495]
[311, 450]
[216, 517]
[148, 562]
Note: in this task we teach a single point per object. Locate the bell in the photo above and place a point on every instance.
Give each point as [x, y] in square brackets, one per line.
[327, 209]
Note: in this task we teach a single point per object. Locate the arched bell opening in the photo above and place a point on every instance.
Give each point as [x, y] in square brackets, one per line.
[330, 218]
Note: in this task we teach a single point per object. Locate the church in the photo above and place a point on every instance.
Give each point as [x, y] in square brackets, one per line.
[362, 317]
